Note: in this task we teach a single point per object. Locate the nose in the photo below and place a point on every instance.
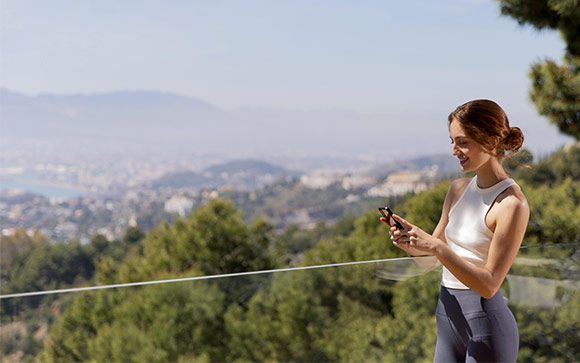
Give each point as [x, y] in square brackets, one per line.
[455, 150]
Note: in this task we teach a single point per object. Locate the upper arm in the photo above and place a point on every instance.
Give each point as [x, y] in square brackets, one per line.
[512, 220]
[455, 190]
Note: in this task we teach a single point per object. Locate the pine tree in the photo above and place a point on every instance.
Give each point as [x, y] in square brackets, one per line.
[555, 87]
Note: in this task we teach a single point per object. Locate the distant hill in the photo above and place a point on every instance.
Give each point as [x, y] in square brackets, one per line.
[154, 120]
[446, 165]
[117, 118]
[241, 174]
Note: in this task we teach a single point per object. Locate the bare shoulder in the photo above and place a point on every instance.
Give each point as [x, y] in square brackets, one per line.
[459, 184]
[512, 200]
[455, 190]
[457, 187]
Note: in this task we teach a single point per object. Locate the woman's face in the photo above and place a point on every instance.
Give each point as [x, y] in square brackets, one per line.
[471, 154]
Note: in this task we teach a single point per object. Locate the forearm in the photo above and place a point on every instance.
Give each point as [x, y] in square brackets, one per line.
[476, 278]
[425, 260]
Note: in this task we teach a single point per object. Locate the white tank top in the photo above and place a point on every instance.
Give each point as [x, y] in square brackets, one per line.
[466, 233]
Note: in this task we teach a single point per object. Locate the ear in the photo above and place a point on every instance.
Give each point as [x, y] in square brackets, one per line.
[494, 143]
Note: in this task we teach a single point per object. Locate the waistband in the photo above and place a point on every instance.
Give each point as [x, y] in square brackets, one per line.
[468, 301]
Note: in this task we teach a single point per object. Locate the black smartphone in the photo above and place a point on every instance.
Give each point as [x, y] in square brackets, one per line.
[388, 214]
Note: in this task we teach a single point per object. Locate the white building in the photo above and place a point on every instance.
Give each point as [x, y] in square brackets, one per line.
[319, 180]
[405, 181]
[179, 204]
[357, 181]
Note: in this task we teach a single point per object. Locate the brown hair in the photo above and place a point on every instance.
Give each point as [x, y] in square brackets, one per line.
[486, 122]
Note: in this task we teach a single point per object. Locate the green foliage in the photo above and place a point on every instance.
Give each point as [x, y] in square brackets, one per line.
[279, 201]
[552, 188]
[555, 88]
[556, 93]
[214, 239]
[154, 324]
[296, 240]
[45, 267]
[332, 314]
[169, 322]
[561, 165]
[338, 314]
[554, 213]
[524, 157]
[549, 334]
[562, 15]
[36, 264]
[18, 243]
[424, 209]
[153, 215]
[411, 335]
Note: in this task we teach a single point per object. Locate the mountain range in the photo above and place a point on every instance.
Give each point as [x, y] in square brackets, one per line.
[147, 120]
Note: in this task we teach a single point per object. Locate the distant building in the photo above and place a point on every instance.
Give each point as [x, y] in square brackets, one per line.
[357, 181]
[404, 182]
[107, 233]
[319, 180]
[66, 230]
[179, 204]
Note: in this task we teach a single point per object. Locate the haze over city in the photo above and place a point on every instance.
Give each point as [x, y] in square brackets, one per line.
[192, 180]
[309, 78]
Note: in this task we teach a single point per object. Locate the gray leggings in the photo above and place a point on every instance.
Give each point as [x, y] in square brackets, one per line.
[473, 329]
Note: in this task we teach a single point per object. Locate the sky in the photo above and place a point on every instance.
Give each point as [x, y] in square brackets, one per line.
[412, 60]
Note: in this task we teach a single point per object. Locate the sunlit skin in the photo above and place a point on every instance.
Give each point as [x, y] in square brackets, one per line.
[507, 219]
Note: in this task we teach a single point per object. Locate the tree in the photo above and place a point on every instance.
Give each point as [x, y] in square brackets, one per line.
[346, 313]
[18, 243]
[168, 322]
[552, 171]
[524, 157]
[555, 88]
[554, 213]
[424, 209]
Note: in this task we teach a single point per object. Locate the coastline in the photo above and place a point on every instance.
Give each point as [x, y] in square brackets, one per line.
[46, 188]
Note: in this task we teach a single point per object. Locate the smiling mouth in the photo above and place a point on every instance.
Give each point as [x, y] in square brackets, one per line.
[463, 160]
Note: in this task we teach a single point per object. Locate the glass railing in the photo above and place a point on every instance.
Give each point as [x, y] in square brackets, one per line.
[377, 311]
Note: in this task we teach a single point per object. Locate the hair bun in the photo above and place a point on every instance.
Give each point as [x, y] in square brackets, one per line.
[513, 140]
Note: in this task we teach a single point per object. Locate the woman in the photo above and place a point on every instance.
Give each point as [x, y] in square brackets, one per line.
[482, 225]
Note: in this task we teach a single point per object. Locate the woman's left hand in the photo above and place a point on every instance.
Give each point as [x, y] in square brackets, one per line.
[418, 239]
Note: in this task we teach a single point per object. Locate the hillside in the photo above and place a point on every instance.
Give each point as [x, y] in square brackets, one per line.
[155, 120]
[239, 174]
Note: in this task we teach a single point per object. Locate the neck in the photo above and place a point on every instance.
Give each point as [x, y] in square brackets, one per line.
[491, 174]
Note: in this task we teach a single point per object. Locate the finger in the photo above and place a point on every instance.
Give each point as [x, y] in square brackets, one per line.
[401, 239]
[404, 246]
[403, 221]
[398, 232]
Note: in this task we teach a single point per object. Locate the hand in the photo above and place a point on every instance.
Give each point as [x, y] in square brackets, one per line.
[411, 239]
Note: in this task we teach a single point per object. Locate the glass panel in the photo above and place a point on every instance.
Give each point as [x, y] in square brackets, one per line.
[369, 312]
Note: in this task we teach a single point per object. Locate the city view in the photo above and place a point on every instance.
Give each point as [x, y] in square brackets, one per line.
[201, 181]
[77, 199]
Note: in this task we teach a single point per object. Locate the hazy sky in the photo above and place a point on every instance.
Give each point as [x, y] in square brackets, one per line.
[405, 58]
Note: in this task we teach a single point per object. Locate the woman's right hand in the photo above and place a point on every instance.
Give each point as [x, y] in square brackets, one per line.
[401, 239]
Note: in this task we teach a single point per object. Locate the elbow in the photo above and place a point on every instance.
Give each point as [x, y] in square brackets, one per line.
[487, 294]
[489, 291]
